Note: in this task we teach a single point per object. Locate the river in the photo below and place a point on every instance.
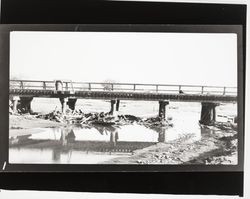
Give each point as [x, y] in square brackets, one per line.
[97, 144]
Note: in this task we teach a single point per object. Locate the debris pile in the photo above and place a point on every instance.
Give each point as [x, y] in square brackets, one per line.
[158, 122]
[105, 119]
[225, 125]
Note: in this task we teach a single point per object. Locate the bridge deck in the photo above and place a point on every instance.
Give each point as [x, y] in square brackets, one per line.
[146, 92]
[124, 95]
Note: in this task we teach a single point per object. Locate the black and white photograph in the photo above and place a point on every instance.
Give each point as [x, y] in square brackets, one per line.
[123, 98]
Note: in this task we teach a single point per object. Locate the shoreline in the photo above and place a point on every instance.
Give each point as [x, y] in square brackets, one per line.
[208, 150]
[29, 124]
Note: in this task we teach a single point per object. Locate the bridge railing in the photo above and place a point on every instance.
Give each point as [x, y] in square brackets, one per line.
[122, 87]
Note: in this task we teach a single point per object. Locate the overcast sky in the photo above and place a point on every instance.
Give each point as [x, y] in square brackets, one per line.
[166, 58]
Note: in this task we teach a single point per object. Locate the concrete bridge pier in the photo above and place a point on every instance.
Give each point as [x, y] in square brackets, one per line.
[112, 103]
[117, 105]
[208, 113]
[25, 104]
[63, 103]
[72, 103]
[162, 109]
[14, 100]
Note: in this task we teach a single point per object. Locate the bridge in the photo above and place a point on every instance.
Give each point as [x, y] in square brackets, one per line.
[23, 91]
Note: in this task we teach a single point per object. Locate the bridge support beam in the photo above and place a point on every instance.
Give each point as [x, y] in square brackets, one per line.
[14, 103]
[208, 113]
[25, 104]
[162, 109]
[117, 105]
[112, 102]
[72, 103]
[63, 103]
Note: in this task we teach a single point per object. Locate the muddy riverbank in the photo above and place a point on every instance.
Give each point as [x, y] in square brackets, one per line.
[29, 124]
[212, 149]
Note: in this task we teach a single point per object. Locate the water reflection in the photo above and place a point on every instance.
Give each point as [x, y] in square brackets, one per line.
[65, 144]
[161, 132]
[18, 139]
[67, 136]
[114, 139]
[103, 137]
[92, 143]
[68, 139]
[56, 154]
[162, 136]
[106, 137]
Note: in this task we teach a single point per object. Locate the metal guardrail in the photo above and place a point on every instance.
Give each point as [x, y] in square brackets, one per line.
[123, 87]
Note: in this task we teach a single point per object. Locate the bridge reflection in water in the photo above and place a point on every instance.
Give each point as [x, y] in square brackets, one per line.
[63, 142]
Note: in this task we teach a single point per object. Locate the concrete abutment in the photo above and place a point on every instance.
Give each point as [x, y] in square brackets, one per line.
[63, 103]
[24, 104]
[72, 103]
[208, 113]
[112, 107]
[162, 109]
[14, 103]
[21, 104]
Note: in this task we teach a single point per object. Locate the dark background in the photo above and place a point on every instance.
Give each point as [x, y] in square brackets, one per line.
[103, 12]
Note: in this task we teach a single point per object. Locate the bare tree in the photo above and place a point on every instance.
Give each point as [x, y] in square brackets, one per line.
[108, 84]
